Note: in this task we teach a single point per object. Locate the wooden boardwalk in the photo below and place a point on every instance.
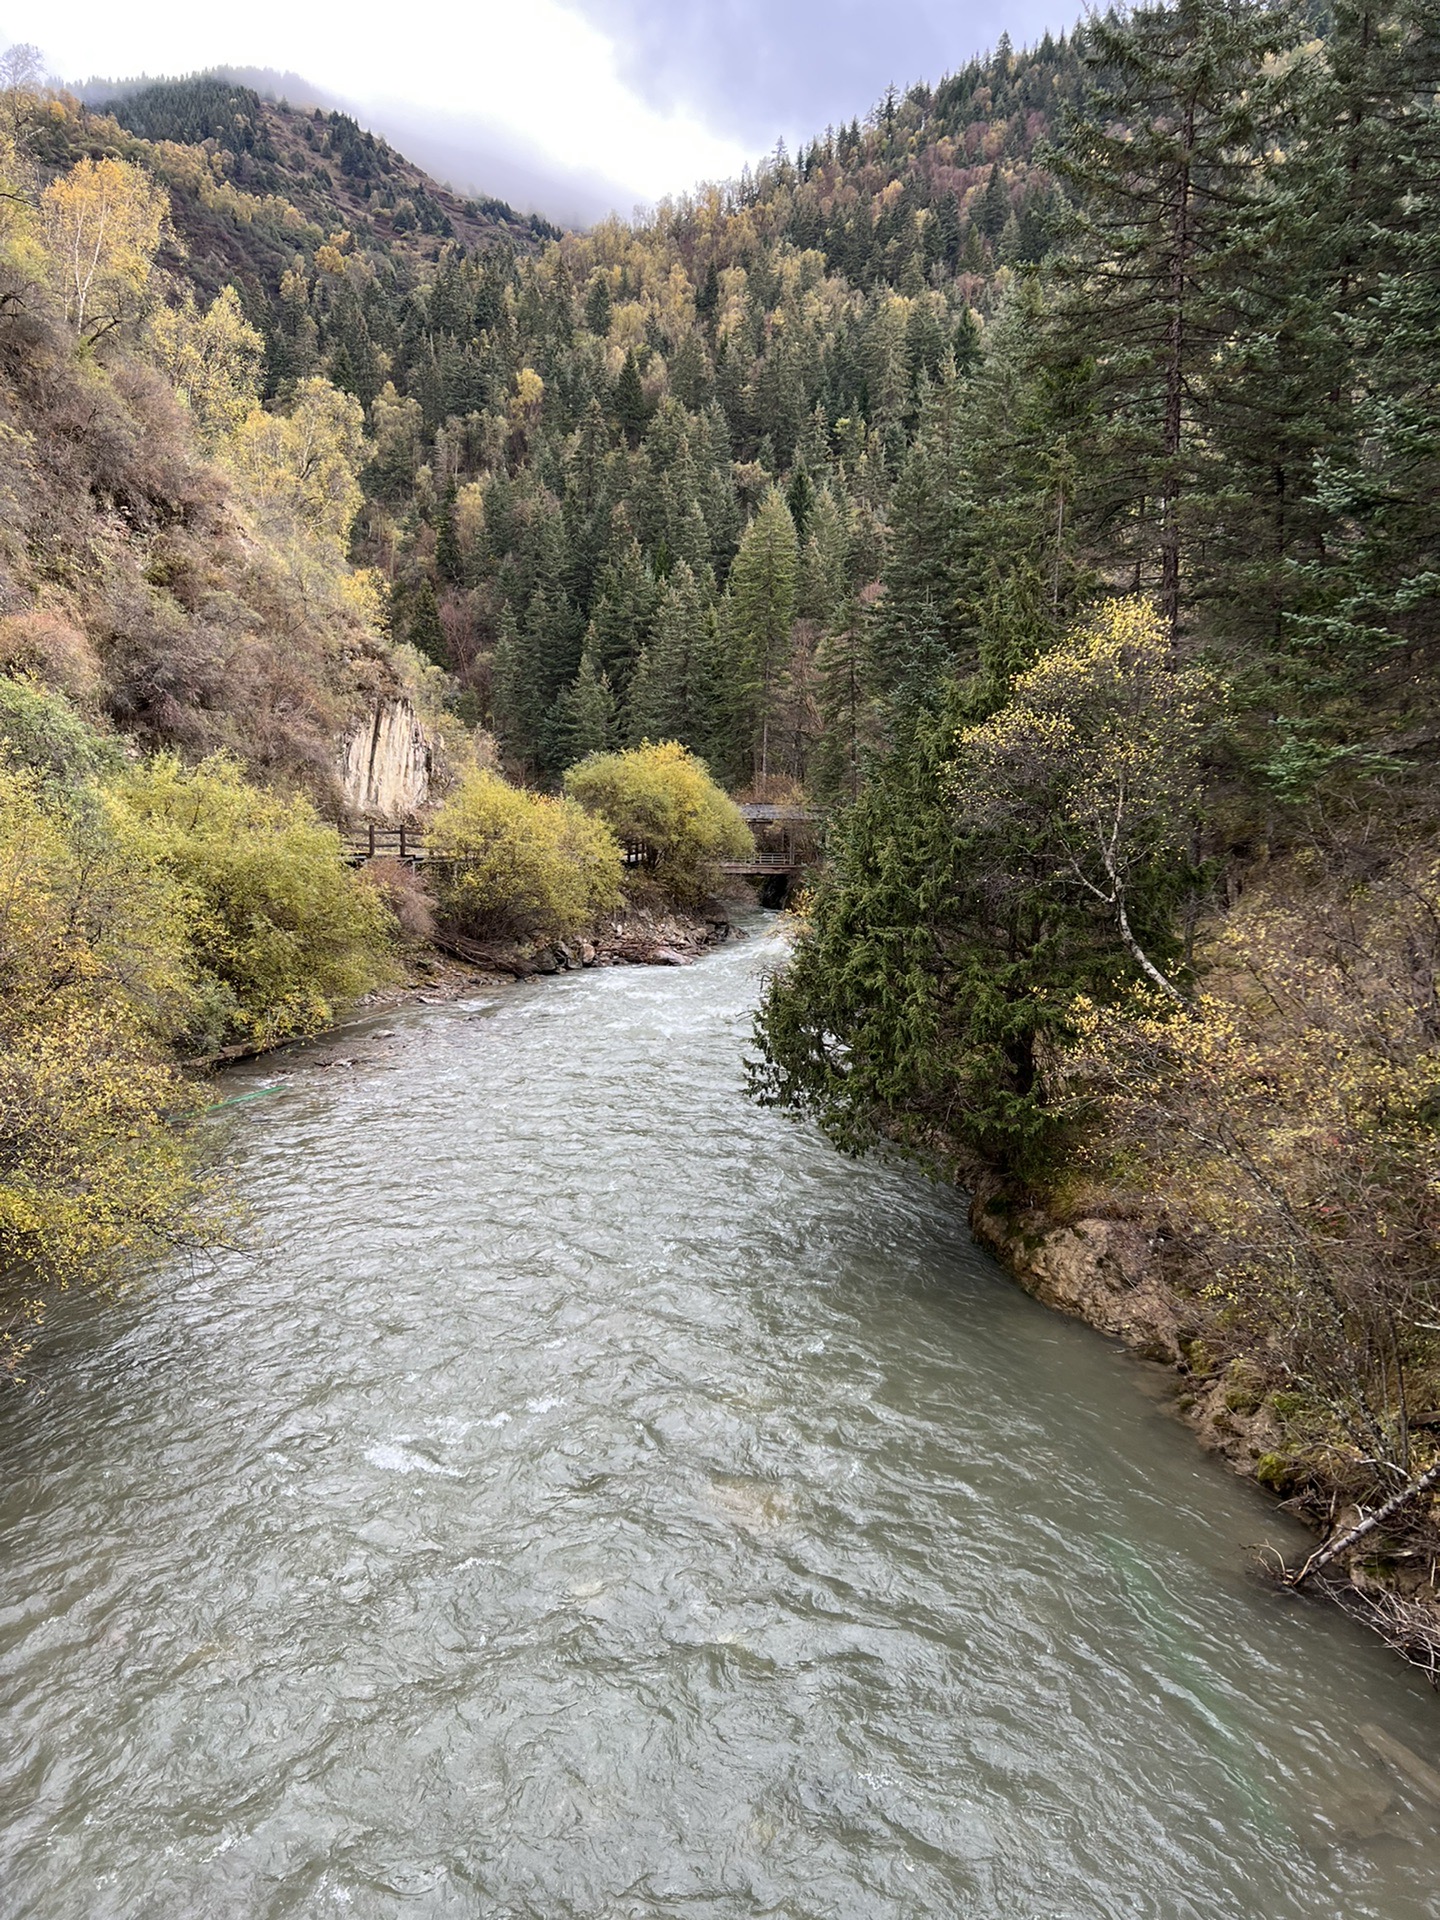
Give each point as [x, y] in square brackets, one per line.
[782, 861]
[385, 843]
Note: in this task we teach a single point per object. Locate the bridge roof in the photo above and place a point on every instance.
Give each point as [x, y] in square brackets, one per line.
[752, 811]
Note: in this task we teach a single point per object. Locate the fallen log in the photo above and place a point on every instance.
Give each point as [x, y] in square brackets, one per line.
[471, 951]
[1352, 1536]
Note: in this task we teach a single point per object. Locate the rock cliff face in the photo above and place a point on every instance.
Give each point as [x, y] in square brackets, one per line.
[1103, 1271]
[386, 763]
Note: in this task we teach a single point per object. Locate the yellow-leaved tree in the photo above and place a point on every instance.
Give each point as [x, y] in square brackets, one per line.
[662, 801]
[1282, 1125]
[95, 979]
[300, 470]
[211, 358]
[525, 866]
[283, 931]
[103, 222]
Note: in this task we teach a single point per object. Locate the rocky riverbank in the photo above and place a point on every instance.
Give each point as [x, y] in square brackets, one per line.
[638, 936]
[1128, 1279]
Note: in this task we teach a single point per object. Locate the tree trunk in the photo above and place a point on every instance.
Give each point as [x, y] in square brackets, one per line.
[1353, 1535]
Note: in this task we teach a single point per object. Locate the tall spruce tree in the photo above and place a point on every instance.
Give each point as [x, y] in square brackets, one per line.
[1165, 168]
[673, 693]
[582, 720]
[763, 582]
[919, 629]
[1369, 191]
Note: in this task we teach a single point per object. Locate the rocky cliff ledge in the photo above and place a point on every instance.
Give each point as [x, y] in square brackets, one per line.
[386, 763]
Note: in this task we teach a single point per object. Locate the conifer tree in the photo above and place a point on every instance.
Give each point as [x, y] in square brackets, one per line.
[919, 629]
[449, 560]
[673, 695]
[763, 581]
[824, 563]
[631, 408]
[625, 603]
[583, 718]
[845, 705]
[1165, 165]
[994, 209]
[597, 305]
[1369, 203]
[423, 629]
[800, 497]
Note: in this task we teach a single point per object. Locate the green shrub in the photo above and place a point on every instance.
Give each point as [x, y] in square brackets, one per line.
[41, 733]
[281, 929]
[663, 800]
[95, 980]
[525, 866]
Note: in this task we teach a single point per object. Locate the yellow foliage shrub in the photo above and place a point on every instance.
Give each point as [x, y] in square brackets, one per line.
[1287, 1120]
[662, 800]
[94, 979]
[283, 931]
[524, 866]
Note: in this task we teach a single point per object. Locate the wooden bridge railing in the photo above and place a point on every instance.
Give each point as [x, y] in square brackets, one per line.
[372, 842]
[381, 843]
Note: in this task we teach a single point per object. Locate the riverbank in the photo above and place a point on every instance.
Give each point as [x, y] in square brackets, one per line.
[636, 936]
[1136, 1282]
[447, 967]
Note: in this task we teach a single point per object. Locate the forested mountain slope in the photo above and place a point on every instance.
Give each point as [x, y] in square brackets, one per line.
[253, 183]
[570, 436]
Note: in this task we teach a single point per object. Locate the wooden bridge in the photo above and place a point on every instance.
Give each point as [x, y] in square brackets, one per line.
[785, 838]
[385, 843]
[785, 842]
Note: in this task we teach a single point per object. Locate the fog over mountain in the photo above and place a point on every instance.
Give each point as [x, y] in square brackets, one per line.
[569, 108]
[461, 152]
[755, 68]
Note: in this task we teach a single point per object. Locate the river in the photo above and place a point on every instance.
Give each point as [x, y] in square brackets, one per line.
[586, 1494]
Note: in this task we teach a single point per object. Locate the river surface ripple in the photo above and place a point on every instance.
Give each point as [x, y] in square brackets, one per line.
[590, 1495]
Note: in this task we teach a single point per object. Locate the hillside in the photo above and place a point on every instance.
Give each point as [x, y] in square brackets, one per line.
[254, 183]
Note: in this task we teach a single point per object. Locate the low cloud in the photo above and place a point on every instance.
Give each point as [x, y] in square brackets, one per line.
[755, 69]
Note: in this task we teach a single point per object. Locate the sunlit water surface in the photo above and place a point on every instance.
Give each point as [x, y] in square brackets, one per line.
[590, 1495]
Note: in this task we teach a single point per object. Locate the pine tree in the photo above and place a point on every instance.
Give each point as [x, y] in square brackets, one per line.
[1165, 164]
[994, 209]
[837, 763]
[542, 657]
[625, 604]
[448, 558]
[673, 695]
[632, 409]
[920, 627]
[1370, 201]
[763, 581]
[824, 562]
[597, 305]
[1382, 569]
[423, 628]
[800, 497]
[582, 720]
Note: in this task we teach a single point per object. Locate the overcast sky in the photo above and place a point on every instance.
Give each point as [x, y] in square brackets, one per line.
[570, 105]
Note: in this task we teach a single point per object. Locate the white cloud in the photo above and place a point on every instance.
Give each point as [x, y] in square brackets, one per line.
[532, 71]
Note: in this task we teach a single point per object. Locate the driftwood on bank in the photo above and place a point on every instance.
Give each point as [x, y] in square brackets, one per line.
[463, 948]
[1352, 1536]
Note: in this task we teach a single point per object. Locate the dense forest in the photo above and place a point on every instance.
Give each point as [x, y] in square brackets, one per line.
[1039, 476]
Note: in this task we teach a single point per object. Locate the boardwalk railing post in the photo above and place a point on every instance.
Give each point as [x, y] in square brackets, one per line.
[372, 840]
[402, 843]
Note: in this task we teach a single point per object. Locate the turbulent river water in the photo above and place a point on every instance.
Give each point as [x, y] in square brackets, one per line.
[586, 1494]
